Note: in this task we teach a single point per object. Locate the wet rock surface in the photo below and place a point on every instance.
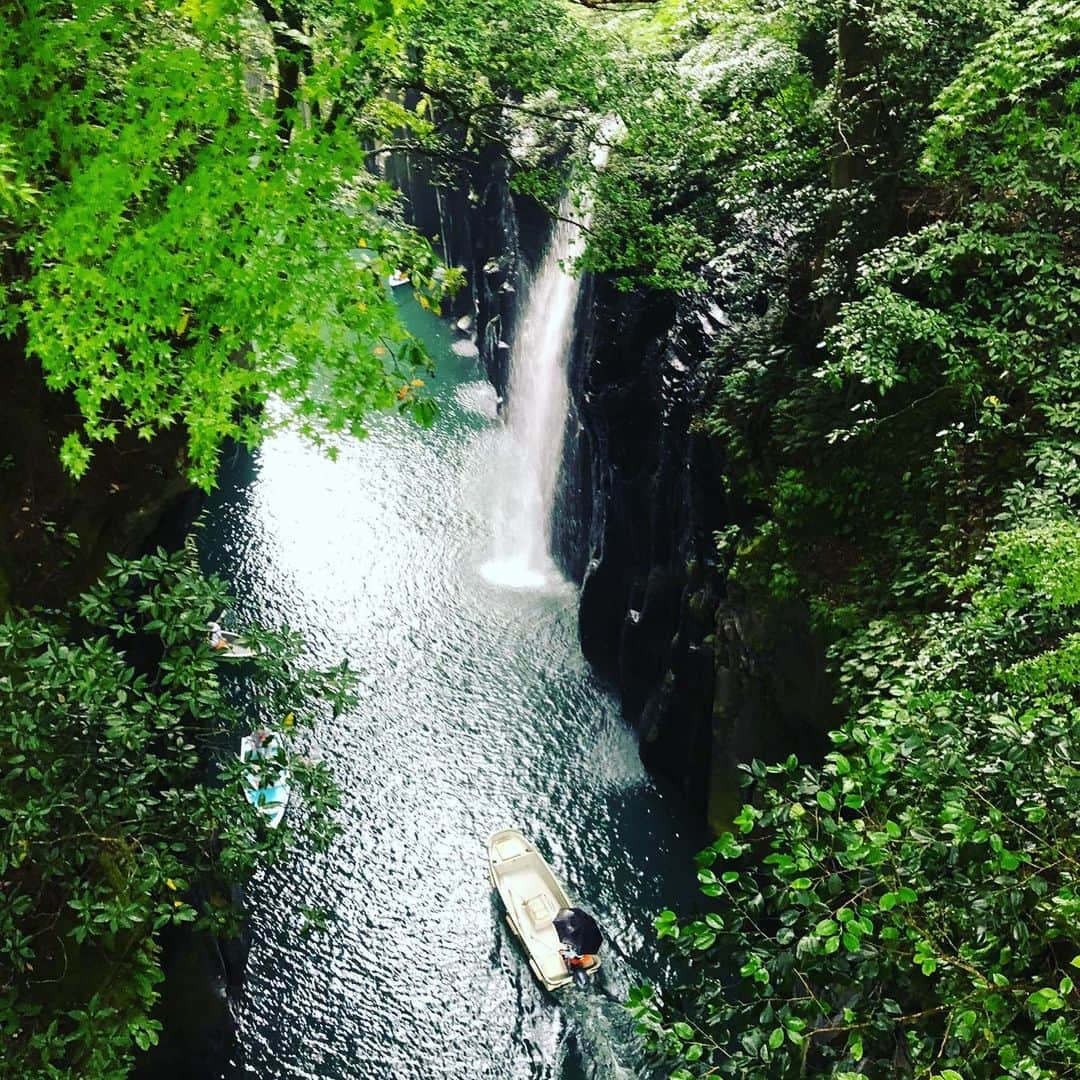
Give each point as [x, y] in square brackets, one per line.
[706, 676]
[198, 1032]
[476, 222]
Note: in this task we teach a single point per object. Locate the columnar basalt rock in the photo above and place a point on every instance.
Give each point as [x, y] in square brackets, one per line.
[475, 221]
[708, 676]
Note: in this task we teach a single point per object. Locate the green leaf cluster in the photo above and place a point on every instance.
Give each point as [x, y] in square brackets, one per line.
[122, 806]
[721, 133]
[521, 86]
[180, 244]
[894, 407]
[911, 903]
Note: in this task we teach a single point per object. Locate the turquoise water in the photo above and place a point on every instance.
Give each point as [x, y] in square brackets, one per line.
[477, 711]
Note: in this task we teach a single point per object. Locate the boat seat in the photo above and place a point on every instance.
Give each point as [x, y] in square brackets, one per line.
[552, 965]
[509, 848]
[541, 910]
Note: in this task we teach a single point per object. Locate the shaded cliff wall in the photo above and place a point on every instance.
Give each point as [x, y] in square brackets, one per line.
[55, 531]
[474, 220]
[709, 677]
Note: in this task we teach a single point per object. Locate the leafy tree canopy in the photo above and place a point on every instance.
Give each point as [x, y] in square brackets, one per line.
[909, 907]
[189, 228]
[895, 405]
[109, 714]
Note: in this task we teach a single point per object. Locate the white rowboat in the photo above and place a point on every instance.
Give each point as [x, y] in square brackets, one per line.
[266, 789]
[237, 647]
[532, 897]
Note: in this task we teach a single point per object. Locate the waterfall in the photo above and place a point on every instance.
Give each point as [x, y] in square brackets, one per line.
[531, 441]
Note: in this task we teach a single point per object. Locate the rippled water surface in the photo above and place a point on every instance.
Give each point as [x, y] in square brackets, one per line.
[477, 712]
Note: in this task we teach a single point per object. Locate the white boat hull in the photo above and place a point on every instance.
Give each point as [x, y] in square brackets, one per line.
[236, 647]
[532, 896]
[269, 798]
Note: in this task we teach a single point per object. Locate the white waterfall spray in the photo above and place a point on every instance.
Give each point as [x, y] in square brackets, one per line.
[531, 442]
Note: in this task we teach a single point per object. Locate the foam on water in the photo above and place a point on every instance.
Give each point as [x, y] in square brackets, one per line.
[478, 397]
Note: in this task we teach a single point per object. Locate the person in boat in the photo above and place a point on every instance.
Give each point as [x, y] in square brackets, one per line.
[573, 959]
[579, 938]
[216, 636]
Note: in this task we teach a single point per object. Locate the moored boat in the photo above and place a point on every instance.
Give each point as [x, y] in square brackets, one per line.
[267, 784]
[237, 646]
[227, 643]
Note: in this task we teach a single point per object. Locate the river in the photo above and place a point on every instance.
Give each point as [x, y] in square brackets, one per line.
[477, 711]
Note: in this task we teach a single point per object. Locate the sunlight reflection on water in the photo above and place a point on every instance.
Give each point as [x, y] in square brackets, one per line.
[477, 711]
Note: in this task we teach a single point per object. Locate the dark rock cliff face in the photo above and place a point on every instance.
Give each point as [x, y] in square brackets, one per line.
[55, 532]
[707, 678]
[473, 220]
[198, 1031]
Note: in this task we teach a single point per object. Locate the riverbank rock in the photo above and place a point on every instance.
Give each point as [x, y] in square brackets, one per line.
[198, 1033]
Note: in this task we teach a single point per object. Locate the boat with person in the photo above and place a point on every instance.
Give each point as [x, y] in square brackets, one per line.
[267, 782]
[229, 645]
[559, 939]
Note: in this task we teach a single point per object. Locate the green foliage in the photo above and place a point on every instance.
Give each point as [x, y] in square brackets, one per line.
[947, 389]
[912, 903]
[169, 257]
[748, 132]
[109, 714]
[524, 81]
[897, 417]
[984, 302]
[477, 58]
[688, 185]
